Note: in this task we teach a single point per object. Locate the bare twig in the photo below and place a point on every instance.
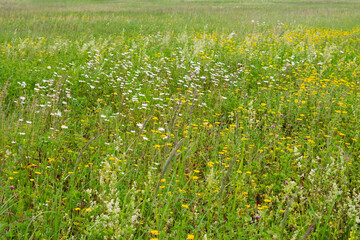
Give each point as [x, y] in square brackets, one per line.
[287, 211]
[4, 88]
[167, 164]
[82, 151]
[174, 116]
[23, 220]
[170, 129]
[225, 179]
[311, 228]
[192, 105]
[237, 123]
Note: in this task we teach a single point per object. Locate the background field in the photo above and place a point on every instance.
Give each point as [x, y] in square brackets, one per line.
[179, 119]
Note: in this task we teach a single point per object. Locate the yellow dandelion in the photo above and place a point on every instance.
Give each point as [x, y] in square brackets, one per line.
[155, 232]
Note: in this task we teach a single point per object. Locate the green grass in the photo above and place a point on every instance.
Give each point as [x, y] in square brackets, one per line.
[179, 119]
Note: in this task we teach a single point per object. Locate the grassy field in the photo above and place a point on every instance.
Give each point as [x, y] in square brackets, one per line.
[179, 119]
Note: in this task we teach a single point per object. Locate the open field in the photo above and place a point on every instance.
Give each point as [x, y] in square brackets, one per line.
[179, 119]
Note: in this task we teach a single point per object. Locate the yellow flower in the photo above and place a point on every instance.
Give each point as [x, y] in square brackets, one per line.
[190, 236]
[185, 206]
[155, 232]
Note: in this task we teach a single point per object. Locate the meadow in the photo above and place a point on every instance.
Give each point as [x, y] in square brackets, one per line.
[179, 119]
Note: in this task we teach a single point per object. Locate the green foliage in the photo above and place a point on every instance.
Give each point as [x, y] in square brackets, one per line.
[179, 120]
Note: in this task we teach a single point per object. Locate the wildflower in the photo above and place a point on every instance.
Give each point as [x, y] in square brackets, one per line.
[190, 236]
[155, 232]
[185, 206]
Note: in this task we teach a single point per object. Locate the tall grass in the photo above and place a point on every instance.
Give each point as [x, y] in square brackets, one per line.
[179, 120]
